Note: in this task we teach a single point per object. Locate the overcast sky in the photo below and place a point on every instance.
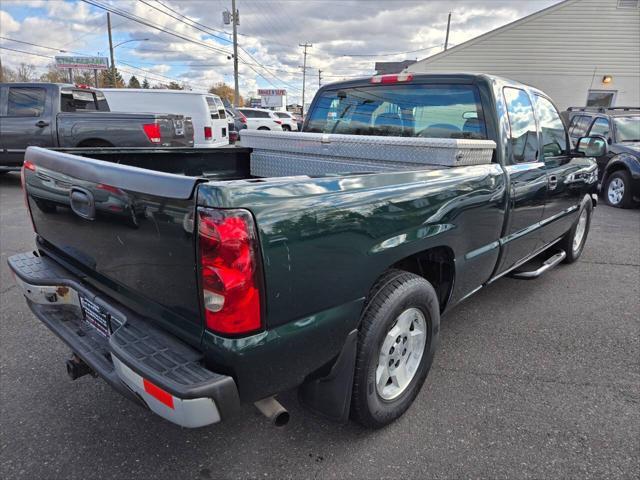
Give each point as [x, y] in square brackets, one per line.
[348, 37]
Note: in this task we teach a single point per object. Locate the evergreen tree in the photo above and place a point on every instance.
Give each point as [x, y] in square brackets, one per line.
[145, 83]
[133, 82]
[106, 79]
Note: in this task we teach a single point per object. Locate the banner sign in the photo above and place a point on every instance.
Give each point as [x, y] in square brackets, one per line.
[83, 63]
[267, 92]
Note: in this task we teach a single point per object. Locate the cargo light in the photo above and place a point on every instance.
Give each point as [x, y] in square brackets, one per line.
[394, 78]
[152, 131]
[230, 271]
[208, 133]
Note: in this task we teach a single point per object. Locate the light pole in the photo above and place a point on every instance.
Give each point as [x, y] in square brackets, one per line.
[113, 47]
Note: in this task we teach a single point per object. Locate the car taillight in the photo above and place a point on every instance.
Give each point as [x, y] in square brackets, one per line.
[394, 78]
[110, 189]
[279, 122]
[152, 131]
[243, 119]
[208, 133]
[230, 272]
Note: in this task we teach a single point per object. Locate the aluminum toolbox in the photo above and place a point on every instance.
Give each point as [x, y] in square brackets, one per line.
[278, 154]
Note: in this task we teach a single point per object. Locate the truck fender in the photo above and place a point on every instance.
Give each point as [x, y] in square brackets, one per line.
[330, 396]
[623, 161]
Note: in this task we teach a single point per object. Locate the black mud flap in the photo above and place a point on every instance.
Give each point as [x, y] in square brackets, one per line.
[330, 396]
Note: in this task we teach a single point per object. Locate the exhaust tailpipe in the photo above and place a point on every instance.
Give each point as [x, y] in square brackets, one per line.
[76, 367]
[273, 410]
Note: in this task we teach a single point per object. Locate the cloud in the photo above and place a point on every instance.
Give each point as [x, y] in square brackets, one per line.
[342, 34]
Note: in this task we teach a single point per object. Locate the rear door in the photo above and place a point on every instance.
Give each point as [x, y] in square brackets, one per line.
[562, 194]
[219, 125]
[26, 120]
[527, 180]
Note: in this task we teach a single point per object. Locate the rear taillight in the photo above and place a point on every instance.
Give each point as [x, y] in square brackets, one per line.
[27, 165]
[279, 122]
[243, 119]
[152, 131]
[394, 78]
[230, 271]
[208, 133]
[110, 189]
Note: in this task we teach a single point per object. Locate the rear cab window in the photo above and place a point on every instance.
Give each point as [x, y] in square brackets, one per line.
[405, 110]
[73, 100]
[25, 101]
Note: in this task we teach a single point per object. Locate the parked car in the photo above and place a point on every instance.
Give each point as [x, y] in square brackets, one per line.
[619, 166]
[60, 115]
[289, 122]
[237, 122]
[238, 285]
[261, 119]
[206, 110]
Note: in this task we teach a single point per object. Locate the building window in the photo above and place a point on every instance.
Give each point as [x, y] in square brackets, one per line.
[601, 98]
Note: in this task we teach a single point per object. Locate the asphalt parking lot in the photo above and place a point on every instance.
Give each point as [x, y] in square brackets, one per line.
[533, 379]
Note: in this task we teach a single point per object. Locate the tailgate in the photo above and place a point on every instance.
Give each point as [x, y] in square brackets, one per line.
[127, 229]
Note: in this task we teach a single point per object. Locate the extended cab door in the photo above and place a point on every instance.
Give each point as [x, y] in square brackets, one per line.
[527, 181]
[563, 192]
[26, 120]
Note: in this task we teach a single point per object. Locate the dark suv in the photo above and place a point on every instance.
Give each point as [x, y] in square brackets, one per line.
[619, 168]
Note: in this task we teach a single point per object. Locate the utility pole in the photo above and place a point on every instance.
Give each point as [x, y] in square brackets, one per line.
[304, 70]
[319, 78]
[446, 39]
[113, 62]
[236, 88]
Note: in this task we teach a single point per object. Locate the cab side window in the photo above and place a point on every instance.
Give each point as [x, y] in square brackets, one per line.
[523, 132]
[25, 102]
[600, 127]
[579, 125]
[554, 139]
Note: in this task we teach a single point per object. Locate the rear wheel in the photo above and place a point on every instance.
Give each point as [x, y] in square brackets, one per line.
[617, 191]
[574, 241]
[263, 128]
[396, 344]
[286, 128]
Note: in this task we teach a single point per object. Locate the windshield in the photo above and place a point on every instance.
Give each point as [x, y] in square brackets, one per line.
[627, 129]
[432, 111]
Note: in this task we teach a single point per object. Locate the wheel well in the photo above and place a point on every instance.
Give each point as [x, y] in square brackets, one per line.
[616, 167]
[435, 265]
[94, 142]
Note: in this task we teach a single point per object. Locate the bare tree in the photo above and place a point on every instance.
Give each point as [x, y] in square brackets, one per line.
[25, 73]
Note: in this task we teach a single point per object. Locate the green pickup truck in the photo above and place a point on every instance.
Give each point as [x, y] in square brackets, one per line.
[193, 281]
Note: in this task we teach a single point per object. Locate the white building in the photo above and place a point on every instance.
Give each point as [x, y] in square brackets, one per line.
[580, 52]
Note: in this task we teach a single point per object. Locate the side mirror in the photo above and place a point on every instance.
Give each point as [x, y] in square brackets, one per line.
[594, 146]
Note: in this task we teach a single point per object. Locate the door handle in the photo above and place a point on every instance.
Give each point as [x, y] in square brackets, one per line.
[553, 182]
[42, 124]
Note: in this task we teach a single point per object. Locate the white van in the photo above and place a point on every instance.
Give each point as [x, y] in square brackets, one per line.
[210, 124]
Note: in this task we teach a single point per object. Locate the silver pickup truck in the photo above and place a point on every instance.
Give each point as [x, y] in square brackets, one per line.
[64, 115]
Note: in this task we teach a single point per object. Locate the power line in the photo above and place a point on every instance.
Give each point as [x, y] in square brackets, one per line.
[28, 53]
[145, 22]
[385, 54]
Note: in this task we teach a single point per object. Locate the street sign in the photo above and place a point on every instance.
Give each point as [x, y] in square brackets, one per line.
[272, 97]
[82, 63]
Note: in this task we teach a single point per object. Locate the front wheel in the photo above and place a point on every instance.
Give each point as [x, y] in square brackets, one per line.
[617, 191]
[396, 344]
[575, 239]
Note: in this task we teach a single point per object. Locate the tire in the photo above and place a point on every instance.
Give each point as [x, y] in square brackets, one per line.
[575, 239]
[617, 191]
[286, 128]
[396, 297]
[263, 128]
